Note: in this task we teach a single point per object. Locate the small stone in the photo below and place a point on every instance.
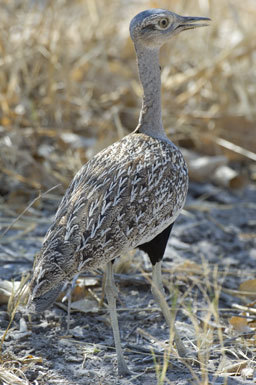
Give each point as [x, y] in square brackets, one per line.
[23, 326]
[78, 332]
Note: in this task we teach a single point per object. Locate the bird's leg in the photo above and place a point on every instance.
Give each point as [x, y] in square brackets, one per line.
[68, 288]
[111, 294]
[67, 296]
[158, 294]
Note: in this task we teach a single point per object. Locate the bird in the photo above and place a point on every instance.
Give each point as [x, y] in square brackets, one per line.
[127, 196]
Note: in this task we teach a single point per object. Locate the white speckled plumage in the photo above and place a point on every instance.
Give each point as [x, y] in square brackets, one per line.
[125, 196]
[107, 210]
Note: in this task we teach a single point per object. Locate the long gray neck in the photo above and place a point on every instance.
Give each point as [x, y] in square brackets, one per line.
[150, 121]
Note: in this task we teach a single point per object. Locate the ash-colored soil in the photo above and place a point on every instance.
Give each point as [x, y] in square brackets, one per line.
[216, 231]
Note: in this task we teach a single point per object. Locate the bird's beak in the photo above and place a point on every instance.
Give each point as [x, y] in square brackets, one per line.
[188, 22]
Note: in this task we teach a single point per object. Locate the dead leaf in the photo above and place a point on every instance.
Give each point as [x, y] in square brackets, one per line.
[7, 288]
[239, 324]
[31, 359]
[85, 306]
[80, 290]
[87, 281]
[227, 177]
[236, 368]
[247, 372]
[248, 288]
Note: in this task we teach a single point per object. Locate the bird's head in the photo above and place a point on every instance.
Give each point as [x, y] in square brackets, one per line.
[153, 27]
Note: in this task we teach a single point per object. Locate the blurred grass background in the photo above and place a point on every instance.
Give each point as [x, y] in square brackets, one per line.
[69, 85]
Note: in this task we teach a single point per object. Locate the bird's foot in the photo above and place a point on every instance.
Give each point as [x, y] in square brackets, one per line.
[122, 367]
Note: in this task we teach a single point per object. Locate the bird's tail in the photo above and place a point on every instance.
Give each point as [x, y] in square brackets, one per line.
[39, 304]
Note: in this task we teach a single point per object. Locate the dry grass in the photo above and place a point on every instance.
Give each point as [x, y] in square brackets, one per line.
[69, 87]
[69, 84]
[232, 348]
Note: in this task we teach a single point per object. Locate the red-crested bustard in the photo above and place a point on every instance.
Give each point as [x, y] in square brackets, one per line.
[127, 196]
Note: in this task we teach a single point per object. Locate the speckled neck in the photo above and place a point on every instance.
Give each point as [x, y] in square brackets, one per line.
[150, 121]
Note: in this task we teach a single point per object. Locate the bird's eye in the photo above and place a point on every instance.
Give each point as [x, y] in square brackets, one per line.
[163, 23]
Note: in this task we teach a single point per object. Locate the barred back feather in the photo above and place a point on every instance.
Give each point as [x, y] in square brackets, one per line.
[123, 197]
